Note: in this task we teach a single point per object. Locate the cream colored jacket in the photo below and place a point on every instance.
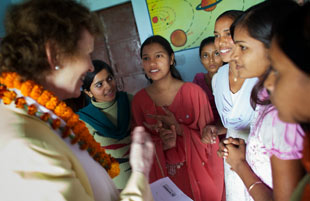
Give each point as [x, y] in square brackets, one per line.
[37, 165]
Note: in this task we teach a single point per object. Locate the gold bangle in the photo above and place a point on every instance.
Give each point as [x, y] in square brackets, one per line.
[252, 185]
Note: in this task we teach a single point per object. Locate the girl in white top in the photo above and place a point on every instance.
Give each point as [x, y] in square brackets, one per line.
[232, 99]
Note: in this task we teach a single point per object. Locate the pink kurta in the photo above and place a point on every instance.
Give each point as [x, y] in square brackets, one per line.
[192, 165]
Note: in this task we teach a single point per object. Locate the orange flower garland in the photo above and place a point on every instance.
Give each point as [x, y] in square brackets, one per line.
[74, 128]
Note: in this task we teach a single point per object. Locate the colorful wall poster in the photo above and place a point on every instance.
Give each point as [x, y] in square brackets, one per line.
[185, 23]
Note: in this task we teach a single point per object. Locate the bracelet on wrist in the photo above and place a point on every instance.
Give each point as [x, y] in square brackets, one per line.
[252, 185]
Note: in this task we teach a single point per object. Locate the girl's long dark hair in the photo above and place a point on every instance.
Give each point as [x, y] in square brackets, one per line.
[257, 89]
[258, 21]
[204, 42]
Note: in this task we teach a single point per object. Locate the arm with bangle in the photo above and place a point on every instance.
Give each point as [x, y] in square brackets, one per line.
[236, 159]
[285, 173]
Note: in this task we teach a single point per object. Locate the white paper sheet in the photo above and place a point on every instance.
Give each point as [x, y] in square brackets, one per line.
[165, 190]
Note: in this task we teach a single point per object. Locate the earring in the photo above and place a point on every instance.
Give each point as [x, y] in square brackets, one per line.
[235, 79]
[57, 67]
[93, 98]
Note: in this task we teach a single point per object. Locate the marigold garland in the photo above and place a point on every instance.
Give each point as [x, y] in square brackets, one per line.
[74, 128]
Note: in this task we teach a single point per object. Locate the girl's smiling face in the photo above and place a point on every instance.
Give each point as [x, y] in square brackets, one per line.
[156, 61]
[103, 88]
[223, 41]
[249, 54]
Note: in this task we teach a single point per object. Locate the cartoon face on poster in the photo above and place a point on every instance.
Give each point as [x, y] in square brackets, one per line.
[185, 23]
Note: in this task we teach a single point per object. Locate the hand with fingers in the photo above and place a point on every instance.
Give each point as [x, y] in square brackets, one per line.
[154, 127]
[168, 137]
[141, 151]
[236, 148]
[209, 134]
[167, 120]
[167, 133]
[222, 152]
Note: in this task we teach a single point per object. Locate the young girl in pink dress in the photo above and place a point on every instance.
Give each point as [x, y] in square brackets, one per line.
[175, 113]
[269, 166]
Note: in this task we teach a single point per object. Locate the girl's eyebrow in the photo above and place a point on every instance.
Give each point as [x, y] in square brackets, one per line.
[155, 53]
[239, 41]
[99, 81]
[225, 30]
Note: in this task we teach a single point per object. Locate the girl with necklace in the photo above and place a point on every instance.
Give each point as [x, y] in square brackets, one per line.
[232, 99]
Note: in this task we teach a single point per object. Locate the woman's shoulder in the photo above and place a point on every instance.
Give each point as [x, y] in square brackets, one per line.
[140, 92]
[199, 76]
[140, 95]
[223, 69]
[20, 126]
[11, 122]
[130, 97]
[190, 85]
[284, 140]
[191, 88]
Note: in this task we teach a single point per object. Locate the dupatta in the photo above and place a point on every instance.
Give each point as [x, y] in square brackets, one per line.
[193, 112]
[236, 115]
[99, 121]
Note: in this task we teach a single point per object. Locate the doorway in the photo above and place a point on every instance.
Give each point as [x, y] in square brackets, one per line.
[120, 45]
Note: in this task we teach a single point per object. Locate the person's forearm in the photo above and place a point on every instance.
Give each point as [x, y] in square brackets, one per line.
[221, 130]
[258, 189]
[137, 188]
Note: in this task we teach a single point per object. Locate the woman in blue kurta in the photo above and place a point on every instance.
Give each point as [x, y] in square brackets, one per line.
[108, 116]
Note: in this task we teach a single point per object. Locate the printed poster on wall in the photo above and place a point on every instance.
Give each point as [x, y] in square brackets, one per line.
[185, 23]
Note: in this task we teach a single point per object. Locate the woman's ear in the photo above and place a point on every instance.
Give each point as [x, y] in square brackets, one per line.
[88, 93]
[51, 55]
[172, 59]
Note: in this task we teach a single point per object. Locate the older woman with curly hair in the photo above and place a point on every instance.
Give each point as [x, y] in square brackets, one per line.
[43, 145]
